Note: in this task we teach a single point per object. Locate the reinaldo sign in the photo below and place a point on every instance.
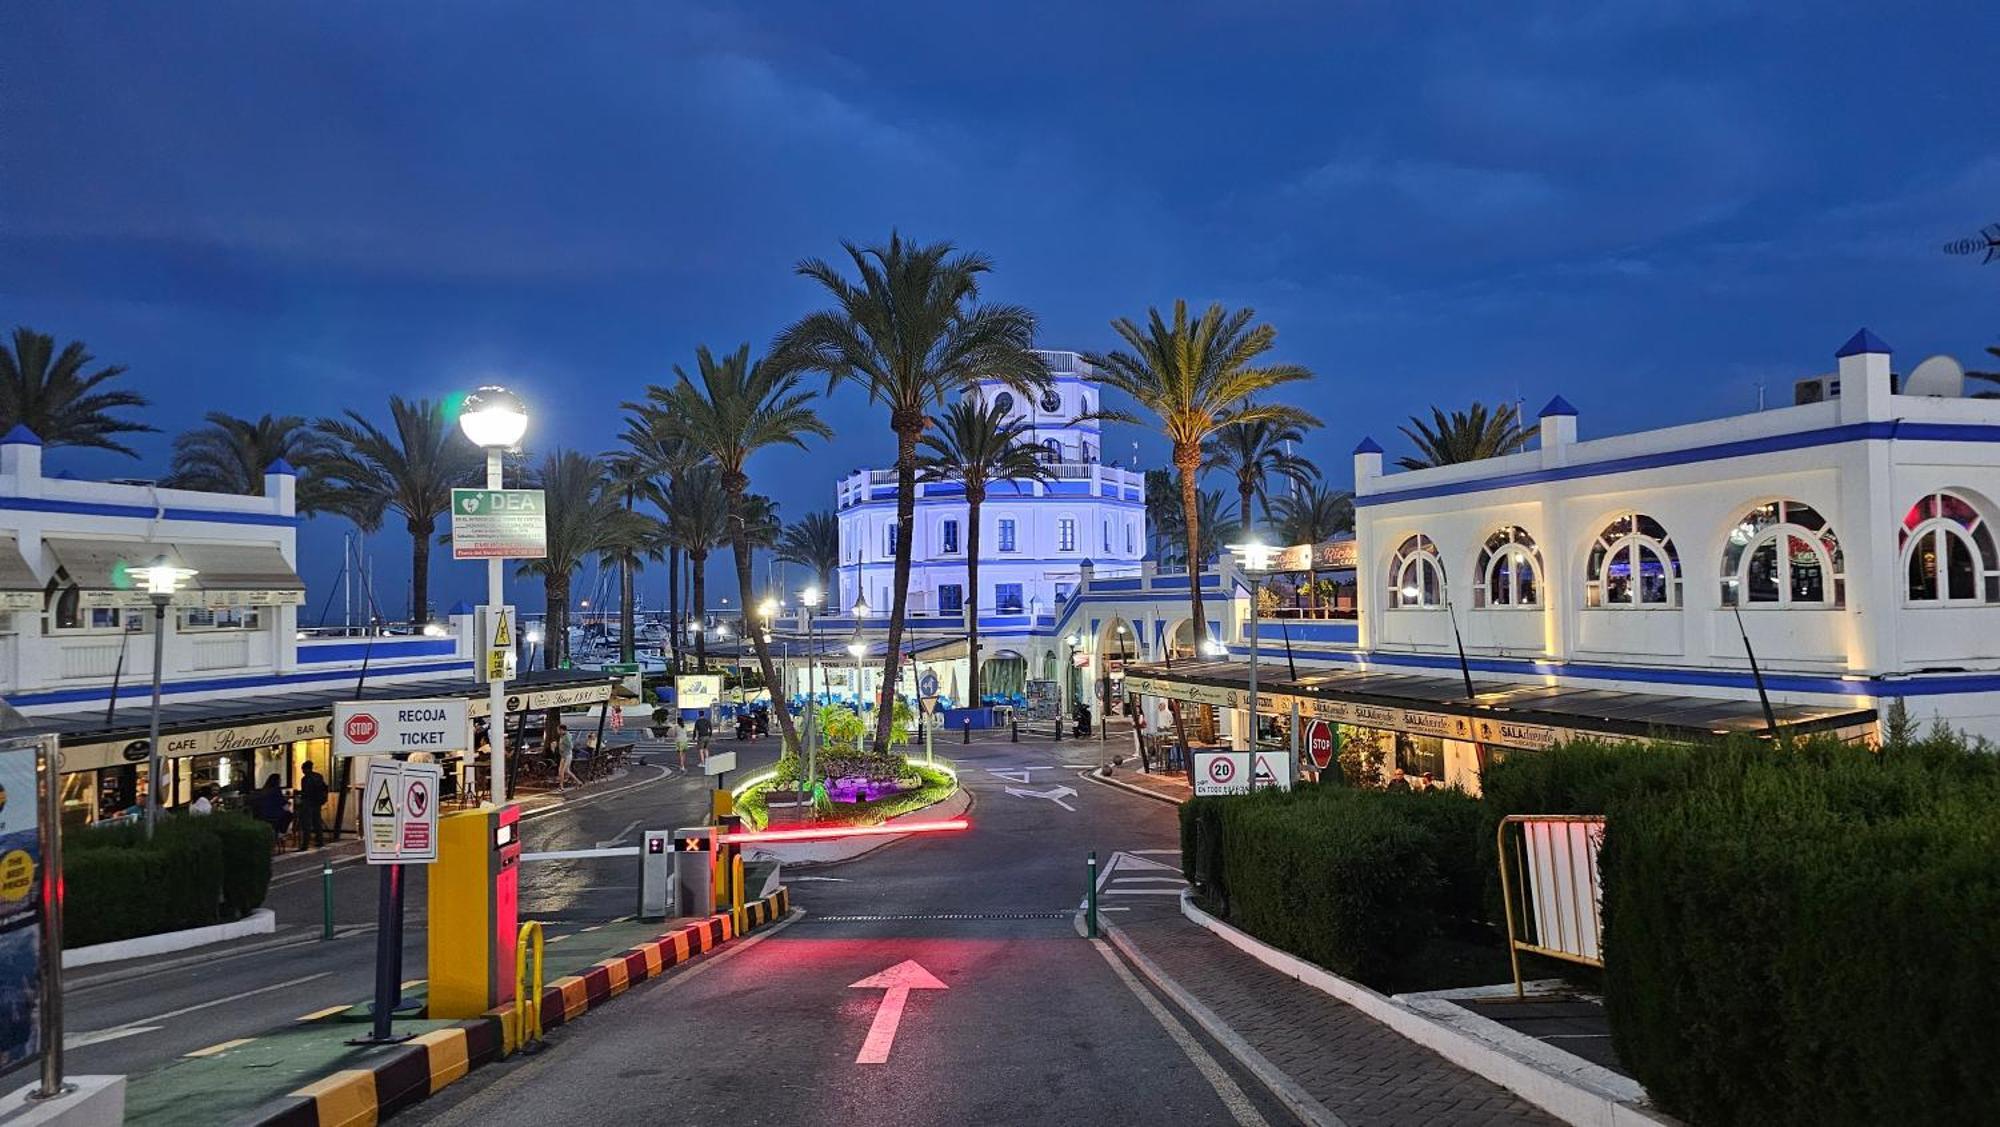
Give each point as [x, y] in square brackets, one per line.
[389, 727]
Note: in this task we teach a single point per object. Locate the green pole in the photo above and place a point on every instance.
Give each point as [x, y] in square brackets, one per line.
[1090, 898]
[326, 898]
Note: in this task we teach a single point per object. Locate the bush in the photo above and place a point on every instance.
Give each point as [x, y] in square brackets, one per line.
[1358, 881]
[1806, 936]
[195, 872]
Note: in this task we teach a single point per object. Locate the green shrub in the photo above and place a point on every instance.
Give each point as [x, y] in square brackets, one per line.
[195, 872]
[1806, 936]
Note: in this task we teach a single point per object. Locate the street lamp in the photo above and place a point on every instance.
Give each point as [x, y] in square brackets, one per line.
[495, 419]
[1252, 557]
[809, 601]
[534, 640]
[1070, 644]
[161, 579]
[859, 649]
[860, 605]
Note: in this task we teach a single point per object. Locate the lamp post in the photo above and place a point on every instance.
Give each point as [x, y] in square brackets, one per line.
[495, 419]
[161, 578]
[809, 602]
[1252, 557]
[1070, 644]
[858, 648]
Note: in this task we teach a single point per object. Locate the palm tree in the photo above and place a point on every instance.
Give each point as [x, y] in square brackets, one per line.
[737, 409]
[410, 469]
[1163, 507]
[48, 393]
[1465, 436]
[653, 445]
[228, 454]
[910, 331]
[1992, 350]
[1197, 377]
[1252, 452]
[586, 516]
[975, 444]
[814, 541]
[1212, 513]
[697, 512]
[1315, 515]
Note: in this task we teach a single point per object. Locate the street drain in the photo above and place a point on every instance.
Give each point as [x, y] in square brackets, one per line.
[948, 916]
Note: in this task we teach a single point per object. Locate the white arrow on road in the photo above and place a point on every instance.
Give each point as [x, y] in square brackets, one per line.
[1053, 794]
[1017, 774]
[897, 982]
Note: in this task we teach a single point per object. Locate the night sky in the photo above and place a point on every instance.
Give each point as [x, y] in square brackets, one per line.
[1649, 208]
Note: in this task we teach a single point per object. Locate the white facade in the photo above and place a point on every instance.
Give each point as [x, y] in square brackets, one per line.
[1855, 533]
[1034, 536]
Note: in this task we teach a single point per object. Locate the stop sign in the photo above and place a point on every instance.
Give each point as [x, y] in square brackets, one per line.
[361, 728]
[1319, 743]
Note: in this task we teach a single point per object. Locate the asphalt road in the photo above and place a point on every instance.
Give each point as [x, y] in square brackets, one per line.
[134, 1017]
[1010, 1015]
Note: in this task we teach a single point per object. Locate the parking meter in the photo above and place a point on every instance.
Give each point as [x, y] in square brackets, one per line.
[475, 896]
[656, 874]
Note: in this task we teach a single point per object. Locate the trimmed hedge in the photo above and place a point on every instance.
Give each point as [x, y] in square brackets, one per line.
[1808, 936]
[195, 872]
[1360, 882]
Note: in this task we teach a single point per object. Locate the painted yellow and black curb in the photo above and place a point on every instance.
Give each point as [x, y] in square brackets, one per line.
[427, 1063]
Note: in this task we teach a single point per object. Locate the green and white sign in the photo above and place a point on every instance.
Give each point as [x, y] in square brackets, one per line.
[498, 524]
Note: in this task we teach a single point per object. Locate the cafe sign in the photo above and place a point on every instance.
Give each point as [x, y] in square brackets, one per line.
[213, 741]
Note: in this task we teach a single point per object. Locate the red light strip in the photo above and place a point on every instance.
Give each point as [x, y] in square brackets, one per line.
[829, 833]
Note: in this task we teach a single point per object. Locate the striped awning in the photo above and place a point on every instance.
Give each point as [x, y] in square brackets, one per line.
[19, 589]
[100, 569]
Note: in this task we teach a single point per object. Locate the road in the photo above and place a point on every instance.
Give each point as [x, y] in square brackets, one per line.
[134, 1018]
[941, 979]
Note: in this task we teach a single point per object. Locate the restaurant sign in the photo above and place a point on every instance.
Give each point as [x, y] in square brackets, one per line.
[212, 741]
[566, 697]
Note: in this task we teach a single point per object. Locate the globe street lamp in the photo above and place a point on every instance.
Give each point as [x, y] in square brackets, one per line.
[495, 419]
[161, 579]
[809, 601]
[1252, 558]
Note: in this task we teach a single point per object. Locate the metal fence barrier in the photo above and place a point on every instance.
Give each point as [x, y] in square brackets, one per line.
[1549, 888]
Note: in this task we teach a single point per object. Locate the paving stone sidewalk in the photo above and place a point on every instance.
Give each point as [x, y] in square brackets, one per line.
[1356, 1068]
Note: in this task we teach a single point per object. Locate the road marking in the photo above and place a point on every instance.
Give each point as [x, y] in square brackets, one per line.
[1232, 1097]
[216, 1050]
[1016, 774]
[1151, 880]
[621, 835]
[414, 983]
[1155, 852]
[841, 879]
[99, 1036]
[327, 1012]
[1138, 892]
[1054, 794]
[896, 983]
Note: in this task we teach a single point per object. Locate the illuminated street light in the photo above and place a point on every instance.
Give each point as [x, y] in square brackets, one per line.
[161, 579]
[495, 419]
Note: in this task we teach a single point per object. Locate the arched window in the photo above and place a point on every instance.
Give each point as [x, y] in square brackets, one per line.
[1054, 448]
[1510, 570]
[1783, 554]
[1633, 564]
[1416, 575]
[1948, 552]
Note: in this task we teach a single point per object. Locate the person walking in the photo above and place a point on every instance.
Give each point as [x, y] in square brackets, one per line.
[704, 731]
[566, 759]
[312, 806]
[270, 807]
[681, 741]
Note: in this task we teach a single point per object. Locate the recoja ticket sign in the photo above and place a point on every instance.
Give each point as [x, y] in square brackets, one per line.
[390, 727]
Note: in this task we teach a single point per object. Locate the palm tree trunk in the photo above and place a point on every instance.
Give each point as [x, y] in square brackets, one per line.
[420, 570]
[741, 543]
[555, 594]
[973, 500]
[627, 627]
[1188, 459]
[1244, 495]
[698, 576]
[907, 430]
[674, 603]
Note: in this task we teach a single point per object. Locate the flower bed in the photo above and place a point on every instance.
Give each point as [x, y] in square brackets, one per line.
[869, 800]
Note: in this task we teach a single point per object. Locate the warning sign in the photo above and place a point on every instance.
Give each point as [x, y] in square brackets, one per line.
[400, 823]
[1221, 772]
[496, 643]
[1271, 770]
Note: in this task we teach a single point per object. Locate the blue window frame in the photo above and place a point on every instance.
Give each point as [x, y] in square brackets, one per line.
[951, 598]
[1007, 598]
[1006, 535]
[950, 537]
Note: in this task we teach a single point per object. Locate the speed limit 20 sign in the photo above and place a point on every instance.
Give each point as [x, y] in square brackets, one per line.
[1221, 772]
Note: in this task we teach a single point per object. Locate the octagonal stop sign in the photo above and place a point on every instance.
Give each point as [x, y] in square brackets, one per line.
[1319, 744]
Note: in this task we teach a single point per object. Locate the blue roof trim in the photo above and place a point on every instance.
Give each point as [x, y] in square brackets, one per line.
[221, 684]
[1558, 407]
[280, 466]
[1862, 343]
[20, 435]
[1368, 446]
[383, 649]
[1743, 448]
[142, 512]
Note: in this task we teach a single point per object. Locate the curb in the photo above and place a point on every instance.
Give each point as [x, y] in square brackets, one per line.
[433, 1061]
[263, 921]
[1106, 780]
[1570, 1096]
[935, 809]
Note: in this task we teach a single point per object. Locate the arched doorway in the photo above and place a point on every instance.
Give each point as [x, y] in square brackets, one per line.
[1004, 677]
[1183, 644]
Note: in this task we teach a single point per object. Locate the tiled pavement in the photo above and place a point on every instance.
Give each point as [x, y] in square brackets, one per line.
[1356, 1068]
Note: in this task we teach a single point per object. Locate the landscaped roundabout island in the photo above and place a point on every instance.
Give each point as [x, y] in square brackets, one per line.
[848, 785]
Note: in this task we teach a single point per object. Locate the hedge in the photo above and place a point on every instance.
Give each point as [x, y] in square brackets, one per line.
[195, 872]
[1807, 936]
[1358, 881]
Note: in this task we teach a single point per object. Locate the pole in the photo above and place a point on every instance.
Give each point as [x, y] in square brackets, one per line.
[388, 951]
[326, 898]
[1254, 609]
[496, 714]
[1090, 896]
[153, 760]
[52, 922]
[1464, 669]
[1756, 673]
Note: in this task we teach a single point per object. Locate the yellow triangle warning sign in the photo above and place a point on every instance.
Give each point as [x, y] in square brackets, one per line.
[502, 634]
[385, 804]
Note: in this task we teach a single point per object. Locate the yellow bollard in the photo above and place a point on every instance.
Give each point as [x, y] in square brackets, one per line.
[528, 990]
[736, 891]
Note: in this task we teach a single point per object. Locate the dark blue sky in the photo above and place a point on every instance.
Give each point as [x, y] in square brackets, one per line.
[1647, 206]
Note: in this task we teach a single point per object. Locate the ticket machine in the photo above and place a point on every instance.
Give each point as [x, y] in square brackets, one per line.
[474, 911]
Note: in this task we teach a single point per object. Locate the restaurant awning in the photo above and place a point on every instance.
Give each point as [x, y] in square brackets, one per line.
[19, 589]
[1503, 714]
[99, 568]
[254, 575]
